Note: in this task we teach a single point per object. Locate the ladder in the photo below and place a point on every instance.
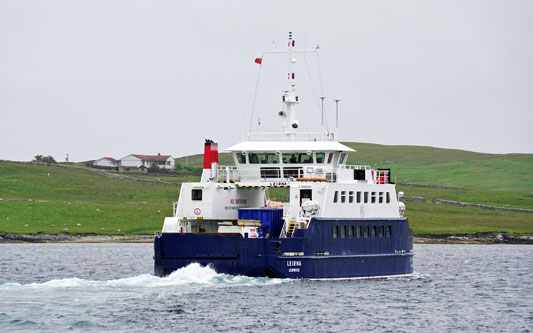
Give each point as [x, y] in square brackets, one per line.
[290, 229]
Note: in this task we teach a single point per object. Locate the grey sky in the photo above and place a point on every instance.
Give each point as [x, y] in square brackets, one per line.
[110, 78]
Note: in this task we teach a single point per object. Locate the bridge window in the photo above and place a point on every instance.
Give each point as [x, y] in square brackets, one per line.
[365, 231]
[388, 197]
[335, 231]
[388, 231]
[196, 194]
[359, 231]
[373, 197]
[350, 197]
[341, 157]
[380, 197]
[297, 158]
[381, 230]
[366, 197]
[330, 157]
[350, 231]
[343, 196]
[264, 158]
[343, 231]
[320, 157]
[241, 158]
[335, 196]
[374, 231]
[358, 197]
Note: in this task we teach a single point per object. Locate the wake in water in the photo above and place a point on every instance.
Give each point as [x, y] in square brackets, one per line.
[191, 275]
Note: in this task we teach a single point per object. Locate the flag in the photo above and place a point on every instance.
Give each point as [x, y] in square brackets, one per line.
[258, 60]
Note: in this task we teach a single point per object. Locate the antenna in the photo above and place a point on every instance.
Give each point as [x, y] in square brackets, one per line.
[289, 98]
[322, 98]
[337, 113]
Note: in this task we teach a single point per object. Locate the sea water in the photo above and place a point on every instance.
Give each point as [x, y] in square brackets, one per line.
[110, 287]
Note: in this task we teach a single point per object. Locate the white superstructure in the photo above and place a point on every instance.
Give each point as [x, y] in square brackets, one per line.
[311, 166]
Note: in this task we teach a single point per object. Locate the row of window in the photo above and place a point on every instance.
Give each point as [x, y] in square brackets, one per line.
[362, 231]
[361, 197]
[288, 158]
[147, 162]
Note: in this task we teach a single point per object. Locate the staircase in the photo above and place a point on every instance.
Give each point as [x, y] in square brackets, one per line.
[290, 229]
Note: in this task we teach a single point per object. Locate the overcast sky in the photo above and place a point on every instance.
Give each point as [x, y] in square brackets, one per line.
[110, 78]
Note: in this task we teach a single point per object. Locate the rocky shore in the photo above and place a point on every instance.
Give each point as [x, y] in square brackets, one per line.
[477, 238]
[66, 238]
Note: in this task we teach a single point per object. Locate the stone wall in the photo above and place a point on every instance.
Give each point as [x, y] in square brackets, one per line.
[465, 204]
[101, 173]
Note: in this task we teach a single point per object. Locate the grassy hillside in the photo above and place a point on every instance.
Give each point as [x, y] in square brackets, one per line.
[47, 199]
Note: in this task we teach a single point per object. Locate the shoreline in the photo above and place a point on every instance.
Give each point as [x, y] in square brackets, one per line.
[477, 238]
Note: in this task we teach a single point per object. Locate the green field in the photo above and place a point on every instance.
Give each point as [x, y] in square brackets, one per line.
[65, 198]
[168, 179]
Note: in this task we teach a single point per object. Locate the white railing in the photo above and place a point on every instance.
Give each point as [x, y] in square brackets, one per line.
[278, 172]
[299, 136]
[354, 167]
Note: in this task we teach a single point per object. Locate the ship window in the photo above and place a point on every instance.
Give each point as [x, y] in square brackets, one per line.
[350, 197]
[335, 231]
[277, 246]
[335, 196]
[359, 231]
[293, 172]
[381, 230]
[388, 231]
[350, 232]
[366, 197]
[341, 157]
[330, 157]
[359, 174]
[365, 231]
[320, 157]
[271, 158]
[196, 194]
[343, 196]
[388, 197]
[241, 158]
[358, 197]
[270, 172]
[380, 197]
[264, 158]
[297, 158]
[373, 197]
[343, 231]
[306, 158]
[254, 158]
[374, 231]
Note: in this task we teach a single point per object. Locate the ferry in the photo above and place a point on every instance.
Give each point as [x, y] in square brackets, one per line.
[340, 221]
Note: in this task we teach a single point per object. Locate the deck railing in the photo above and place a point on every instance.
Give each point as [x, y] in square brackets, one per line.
[299, 136]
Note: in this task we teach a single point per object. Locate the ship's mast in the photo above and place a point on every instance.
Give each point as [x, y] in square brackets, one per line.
[290, 124]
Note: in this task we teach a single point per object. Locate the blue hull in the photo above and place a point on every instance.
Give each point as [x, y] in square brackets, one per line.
[328, 248]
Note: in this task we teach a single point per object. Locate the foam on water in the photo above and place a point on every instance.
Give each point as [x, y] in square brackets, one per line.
[192, 275]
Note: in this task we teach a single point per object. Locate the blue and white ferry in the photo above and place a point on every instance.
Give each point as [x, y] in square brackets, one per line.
[341, 221]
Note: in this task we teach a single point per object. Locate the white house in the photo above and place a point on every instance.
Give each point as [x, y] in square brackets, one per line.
[136, 162]
[106, 162]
